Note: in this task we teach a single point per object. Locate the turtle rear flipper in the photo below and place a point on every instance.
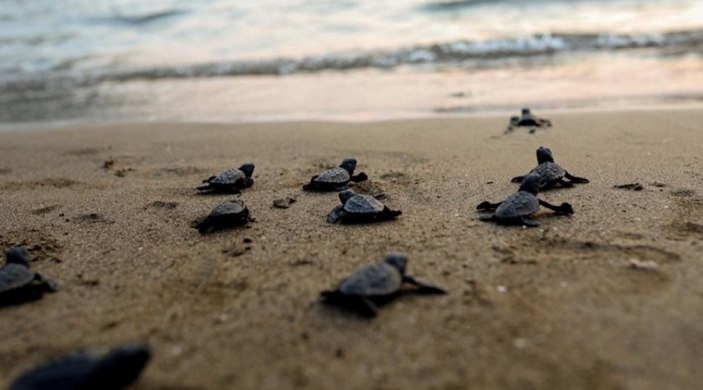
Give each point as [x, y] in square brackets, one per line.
[488, 206]
[517, 179]
[576, 179]
[209, 179]
[360, 177]
[204, 188]
[45, 284]
[488, 218]
[422, 288]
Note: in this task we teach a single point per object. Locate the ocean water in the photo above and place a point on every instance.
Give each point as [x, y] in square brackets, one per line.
[348, 59]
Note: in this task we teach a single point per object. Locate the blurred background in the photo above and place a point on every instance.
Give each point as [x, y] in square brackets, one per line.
[213, 60]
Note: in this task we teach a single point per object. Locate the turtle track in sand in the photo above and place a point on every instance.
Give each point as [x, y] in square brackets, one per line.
[688, 222]
[600, 269]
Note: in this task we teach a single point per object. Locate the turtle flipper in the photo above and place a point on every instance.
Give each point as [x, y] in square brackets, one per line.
[565, 183]
[205, 226]
[517, 179]
[336, 214]
[423, 288]
[45, 284]
[360, 177]
[488, 206]
[576, 179]
[562, 209]
[387, 214]
[209, 179]
[528, 222]
[204, 188]
[491, 218]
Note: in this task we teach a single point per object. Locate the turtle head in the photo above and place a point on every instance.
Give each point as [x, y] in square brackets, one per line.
[123, 364]
[248, 169]
[349, 165]
[525, 111]
[345, 195]
[397, 261]
[17, 255]
[531, 183]
[544, 155]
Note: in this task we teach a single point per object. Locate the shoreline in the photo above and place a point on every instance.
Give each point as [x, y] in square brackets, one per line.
[504, 113]
[558, 306]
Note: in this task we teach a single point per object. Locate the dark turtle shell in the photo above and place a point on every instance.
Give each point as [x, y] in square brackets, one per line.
[377, 279]
[377, 284]
[230, 181]
[230, 176]
[228, 214]
[114, 370]
[519, 204]
[550, 173]
[363, 204]
[337, 175]
[14, 276]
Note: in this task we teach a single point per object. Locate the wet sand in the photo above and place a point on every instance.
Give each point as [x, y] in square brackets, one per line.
[558, 306]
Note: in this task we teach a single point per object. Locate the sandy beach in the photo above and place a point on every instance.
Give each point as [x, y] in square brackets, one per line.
[554, 307]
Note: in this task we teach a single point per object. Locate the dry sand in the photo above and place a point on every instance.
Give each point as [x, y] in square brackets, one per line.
[552, 307]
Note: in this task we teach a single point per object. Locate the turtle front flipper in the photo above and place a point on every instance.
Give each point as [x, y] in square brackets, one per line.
[488, 206]
[565, 183]
[209, 179]
[336, 214]
[562, 209]
[576, 179]
[360, 177]
[45, 284]
[517, 179]
[423, 288]
[206, 187]
[388, 214]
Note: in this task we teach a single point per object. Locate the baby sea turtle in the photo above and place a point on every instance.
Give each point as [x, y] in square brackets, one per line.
[550, 172]
[113, 370]
[336, 179]
[18, 283]
[226, 215]
[359, 208]
[527, 119]
[518, 206]
[231, 181]
[373, 285]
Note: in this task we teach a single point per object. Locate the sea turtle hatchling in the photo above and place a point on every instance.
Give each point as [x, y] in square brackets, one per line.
[550, 172]
[231, 181]
[517, 207]
[373, 285]
[337, 178]
[229, 214]
[527, 119]
[113, 370]
[18, 283]
[360, 208]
